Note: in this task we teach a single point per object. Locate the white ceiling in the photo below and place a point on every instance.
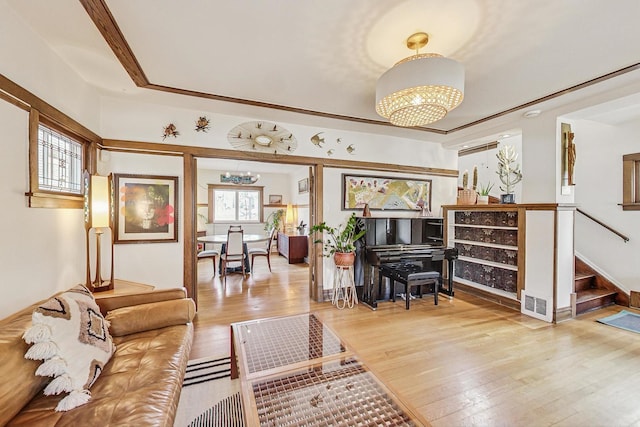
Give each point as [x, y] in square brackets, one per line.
[324, 56]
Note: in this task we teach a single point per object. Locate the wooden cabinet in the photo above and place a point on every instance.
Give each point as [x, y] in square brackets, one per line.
[519, 255]
[490, 248]
[293, 247]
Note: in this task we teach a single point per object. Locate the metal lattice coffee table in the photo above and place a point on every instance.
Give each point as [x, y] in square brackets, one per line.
[295, 371]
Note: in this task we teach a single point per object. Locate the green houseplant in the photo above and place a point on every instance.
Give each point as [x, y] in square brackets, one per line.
[483, 193]
[340, 242]
[274, 220]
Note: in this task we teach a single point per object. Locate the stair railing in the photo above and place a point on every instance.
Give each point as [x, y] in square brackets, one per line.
[616, 232]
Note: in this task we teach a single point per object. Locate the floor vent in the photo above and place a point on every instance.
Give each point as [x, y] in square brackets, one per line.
[537, 307]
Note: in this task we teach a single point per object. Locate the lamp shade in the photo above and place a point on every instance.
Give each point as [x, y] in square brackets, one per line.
[99, 199]
[420, 89]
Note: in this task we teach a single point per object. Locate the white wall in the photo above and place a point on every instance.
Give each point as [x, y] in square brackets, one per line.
[487, 164]
[598, 190]
[158, 264]
[42, 250]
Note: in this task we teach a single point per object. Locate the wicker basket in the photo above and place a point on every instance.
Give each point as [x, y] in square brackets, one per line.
[467, 197]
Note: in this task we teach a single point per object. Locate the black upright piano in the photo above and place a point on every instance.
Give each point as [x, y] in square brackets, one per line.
[393, 240]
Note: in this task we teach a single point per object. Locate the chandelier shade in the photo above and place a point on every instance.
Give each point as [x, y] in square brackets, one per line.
[420, 89]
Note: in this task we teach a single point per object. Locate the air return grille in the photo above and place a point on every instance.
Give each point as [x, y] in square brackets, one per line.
[537, 307]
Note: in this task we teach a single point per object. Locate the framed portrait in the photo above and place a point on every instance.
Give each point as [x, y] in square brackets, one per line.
[275, 199]
[146, 209]
[303, 186]
[385, 193]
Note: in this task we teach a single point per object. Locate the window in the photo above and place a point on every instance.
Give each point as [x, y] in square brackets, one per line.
[235, 204]
[57, 159]
[631, 182]
[59, 162]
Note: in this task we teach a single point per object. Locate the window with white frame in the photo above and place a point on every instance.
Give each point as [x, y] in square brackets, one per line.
[235, 204]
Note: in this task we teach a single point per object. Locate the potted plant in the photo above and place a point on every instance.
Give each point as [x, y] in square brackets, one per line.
[467, 196]
[274, 220]
[483, 193]
[340, 242]
[509, 172]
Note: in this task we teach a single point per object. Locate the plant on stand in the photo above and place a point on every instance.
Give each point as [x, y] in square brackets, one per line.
[509, 172]
[483, 193]
[341, 240]
[467, 196]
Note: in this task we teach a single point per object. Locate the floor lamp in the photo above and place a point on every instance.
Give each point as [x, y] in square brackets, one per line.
[98, 217]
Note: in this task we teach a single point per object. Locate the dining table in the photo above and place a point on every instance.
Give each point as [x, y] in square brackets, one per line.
[222, 240]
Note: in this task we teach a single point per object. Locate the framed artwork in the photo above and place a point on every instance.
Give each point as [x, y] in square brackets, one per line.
[385, 193]
[303, 186]
[275, 199]
[146, 209]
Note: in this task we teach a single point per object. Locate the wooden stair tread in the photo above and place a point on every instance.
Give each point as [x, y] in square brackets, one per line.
[580, 276]
[590, 294]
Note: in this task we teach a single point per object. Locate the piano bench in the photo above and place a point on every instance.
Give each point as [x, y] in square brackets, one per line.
[411, 276]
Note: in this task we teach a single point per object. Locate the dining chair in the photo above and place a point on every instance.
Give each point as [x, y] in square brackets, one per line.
[234, 252]
[266, 252]
[209, 253]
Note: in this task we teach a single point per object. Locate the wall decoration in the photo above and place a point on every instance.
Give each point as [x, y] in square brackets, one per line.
[317, 140]
[146, 209]
[351, 149]
[275, 199]
[385, 193]
[170, 130]
[262, 136]
[568, 155]
[202, 124]
[303, 186]
[242, 179]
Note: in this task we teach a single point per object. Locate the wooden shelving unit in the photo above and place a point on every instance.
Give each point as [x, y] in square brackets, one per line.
[488, 243]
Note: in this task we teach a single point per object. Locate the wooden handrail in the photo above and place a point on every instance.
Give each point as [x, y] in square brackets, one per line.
[617, 233]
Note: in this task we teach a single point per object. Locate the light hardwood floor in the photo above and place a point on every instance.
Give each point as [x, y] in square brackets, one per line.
[465, 362]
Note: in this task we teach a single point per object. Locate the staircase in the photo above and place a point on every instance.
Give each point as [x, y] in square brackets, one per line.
[594, 291]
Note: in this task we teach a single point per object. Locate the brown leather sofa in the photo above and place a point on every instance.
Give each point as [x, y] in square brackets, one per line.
[139, 386]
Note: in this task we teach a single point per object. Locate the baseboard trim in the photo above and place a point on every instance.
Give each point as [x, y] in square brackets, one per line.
[564, 313]
[498, 299]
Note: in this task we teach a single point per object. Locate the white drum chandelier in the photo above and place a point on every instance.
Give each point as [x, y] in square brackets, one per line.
[420, 89]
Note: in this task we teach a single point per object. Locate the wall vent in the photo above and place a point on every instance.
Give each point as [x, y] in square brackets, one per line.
[537, 307]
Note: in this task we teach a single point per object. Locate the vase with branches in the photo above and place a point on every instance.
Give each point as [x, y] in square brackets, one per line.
[508, 171]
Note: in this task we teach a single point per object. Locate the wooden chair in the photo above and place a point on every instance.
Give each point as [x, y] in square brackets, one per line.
[209, 253]
[265, 252]
[234, 252]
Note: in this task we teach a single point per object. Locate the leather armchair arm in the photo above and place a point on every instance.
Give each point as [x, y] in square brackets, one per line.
[119, 301]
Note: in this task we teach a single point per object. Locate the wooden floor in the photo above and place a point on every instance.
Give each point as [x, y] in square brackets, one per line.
[465, 362]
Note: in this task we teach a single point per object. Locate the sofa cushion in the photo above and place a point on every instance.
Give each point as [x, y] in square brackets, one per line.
[70, 335]
[144, 317]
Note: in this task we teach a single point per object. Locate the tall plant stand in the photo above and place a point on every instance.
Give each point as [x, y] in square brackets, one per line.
[344, 287]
